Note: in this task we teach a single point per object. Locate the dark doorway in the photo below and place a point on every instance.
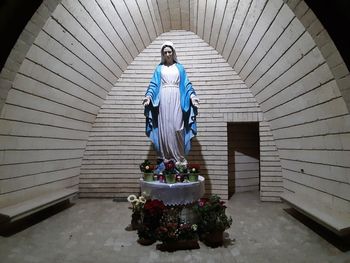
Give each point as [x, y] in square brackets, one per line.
[243, 157]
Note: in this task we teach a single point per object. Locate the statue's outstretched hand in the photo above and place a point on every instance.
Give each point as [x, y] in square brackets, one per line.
[146, 101]
[195, 101]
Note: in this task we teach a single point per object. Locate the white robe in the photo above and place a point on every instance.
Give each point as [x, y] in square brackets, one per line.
[170, 118]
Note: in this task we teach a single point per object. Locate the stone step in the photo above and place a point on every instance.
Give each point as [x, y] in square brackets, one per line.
[337, 222]
[17, 211]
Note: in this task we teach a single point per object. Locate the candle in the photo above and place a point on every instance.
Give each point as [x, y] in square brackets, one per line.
[161, 178]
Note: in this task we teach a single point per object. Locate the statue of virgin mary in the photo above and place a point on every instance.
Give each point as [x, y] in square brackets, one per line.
[170, 108]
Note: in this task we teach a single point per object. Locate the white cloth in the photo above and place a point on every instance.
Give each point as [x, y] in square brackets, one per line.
[174, 194]
[170, 118]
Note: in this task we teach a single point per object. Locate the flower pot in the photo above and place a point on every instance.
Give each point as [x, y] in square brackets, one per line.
[178, 245]
[193, 177]
[148, 177]
[145, 242]
[170, 178]
[214, 239]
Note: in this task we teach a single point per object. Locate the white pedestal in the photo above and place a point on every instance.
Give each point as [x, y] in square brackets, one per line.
[174, 194]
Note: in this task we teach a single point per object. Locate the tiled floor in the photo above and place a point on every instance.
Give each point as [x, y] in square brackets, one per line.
[94, 231]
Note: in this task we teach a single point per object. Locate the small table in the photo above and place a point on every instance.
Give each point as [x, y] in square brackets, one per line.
[174, 194]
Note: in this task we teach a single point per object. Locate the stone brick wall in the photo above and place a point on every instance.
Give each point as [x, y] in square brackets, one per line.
[271, 180]
[72, 53]
[327, 47]
[117, 143]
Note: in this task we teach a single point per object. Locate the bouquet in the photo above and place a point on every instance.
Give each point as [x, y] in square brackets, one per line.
[171, 229]
[151, 214]
[211, 215]
[137, 204]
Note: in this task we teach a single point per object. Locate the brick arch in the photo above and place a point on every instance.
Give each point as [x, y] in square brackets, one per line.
[117, 142]
[84, 46]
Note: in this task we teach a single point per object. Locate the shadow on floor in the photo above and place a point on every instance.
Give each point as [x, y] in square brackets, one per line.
[10, 229]
[340, 242]
[228, 241]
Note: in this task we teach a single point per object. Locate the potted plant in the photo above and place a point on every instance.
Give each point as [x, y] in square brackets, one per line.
[150, 219]
[194, 171]
[147, 168]
[175, 234]
[182, 168]
[170, 172]
[136, 206]
[212, 220]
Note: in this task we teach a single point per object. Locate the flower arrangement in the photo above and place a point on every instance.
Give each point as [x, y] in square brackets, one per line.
[172, 229]
[143, 165]
[153, 209]
[168, 227]
[137, 204]
[167, 224]
[194, 171]
[181, 167]
[169, 167]
[212, 219]
[147, 168]
[174, 233]
[151, 214]
[170, 172]
[211, 214]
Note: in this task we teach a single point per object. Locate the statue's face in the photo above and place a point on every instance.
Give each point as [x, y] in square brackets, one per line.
[168, 55]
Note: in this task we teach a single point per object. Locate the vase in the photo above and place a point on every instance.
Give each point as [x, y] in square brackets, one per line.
[193, 177]
[214, 239]
[148, 177]
[178, 245]
[170, 178]
[135, 222]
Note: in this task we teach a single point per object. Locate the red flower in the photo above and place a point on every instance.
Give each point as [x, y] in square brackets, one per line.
[202, 201]
[194, 168]
[163, 229]
[154, 207]
[149, 168]
[144, 164]
[169, 165]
